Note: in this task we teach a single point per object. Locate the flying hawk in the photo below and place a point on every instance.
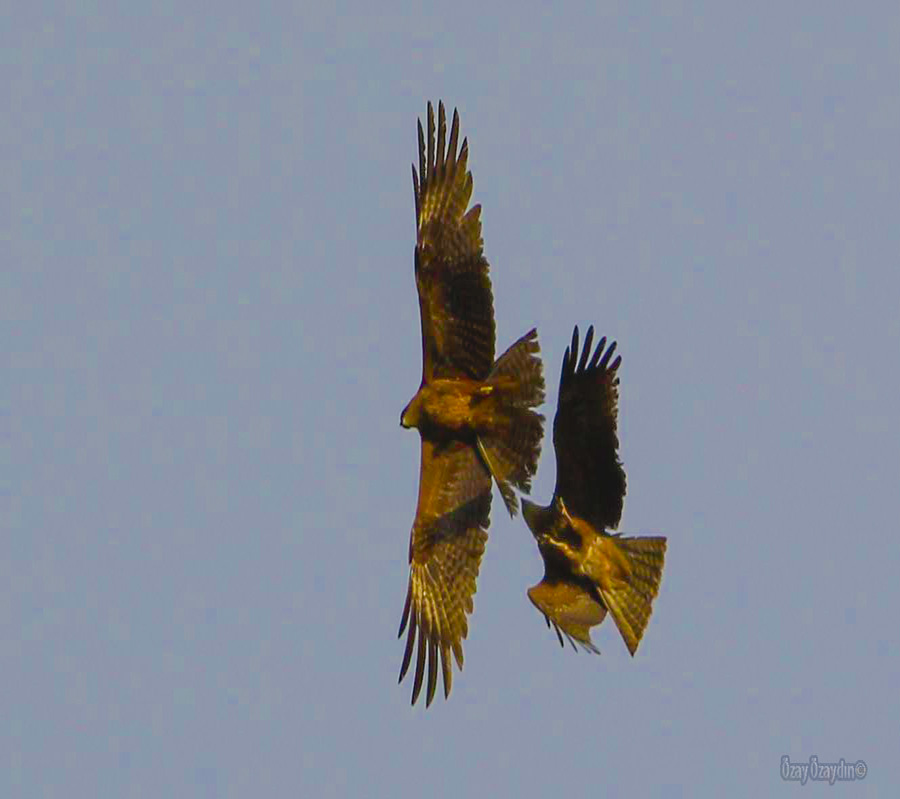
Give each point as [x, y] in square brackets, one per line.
[474, 414]
[588, 571]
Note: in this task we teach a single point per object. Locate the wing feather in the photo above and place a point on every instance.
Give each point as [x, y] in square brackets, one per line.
[446, 545]
[455, 297]
[570, 608]
[589, 474]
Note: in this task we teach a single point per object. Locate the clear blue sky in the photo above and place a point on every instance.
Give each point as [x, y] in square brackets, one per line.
[210, 327]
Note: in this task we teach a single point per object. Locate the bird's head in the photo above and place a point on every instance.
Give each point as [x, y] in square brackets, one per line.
[410, 415]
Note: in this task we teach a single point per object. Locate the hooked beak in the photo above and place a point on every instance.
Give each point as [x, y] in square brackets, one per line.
[530, 514]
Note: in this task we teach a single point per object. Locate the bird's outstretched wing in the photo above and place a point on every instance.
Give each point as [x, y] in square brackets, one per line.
[570, 607]
[445, 549]
[589, 474]
[455, 298]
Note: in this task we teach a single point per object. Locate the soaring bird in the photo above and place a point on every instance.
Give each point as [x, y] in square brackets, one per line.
[474, 414]
[588, 571]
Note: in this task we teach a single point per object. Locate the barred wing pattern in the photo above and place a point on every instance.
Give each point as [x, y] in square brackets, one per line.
[455, 298]
[445, 549]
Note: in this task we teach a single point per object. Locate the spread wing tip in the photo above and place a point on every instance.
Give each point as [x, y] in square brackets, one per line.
[578, 360]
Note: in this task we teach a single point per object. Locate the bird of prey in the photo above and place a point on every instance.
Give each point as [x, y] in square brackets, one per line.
[587, 571]
[474, 414]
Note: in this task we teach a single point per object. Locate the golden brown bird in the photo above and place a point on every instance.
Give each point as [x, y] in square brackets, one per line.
[474, 415]
[587, 571]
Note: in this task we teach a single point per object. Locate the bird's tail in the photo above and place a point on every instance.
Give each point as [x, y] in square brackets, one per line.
[511, 441]
[630, 599]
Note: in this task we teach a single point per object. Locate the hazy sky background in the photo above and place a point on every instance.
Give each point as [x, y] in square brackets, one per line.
[210, 328]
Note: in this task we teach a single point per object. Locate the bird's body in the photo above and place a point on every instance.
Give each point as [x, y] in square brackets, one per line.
[459, 406]
[474, 414]
[587, 571]
[588, 553]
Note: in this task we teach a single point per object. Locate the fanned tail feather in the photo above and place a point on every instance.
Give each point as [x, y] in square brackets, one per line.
[522, 362]
[511, 448]
[631, 602]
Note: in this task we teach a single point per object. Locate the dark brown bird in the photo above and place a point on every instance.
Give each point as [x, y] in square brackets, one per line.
[587, 571]
[474, 415]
